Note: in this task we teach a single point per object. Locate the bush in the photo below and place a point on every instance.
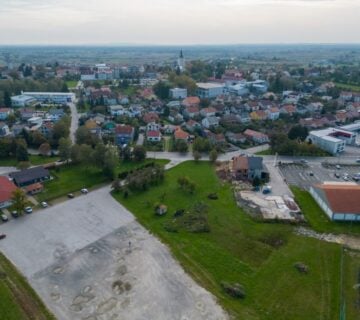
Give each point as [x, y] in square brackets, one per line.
[235, 290]
[213, 196]
[301, 267]
[179, 213]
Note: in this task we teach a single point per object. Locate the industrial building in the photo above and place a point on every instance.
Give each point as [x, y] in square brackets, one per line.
[339, 200]
[178, 93]
[52, 97]
[209, 90]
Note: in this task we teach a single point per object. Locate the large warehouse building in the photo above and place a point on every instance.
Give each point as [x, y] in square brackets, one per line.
[52, 97]
[339, 200]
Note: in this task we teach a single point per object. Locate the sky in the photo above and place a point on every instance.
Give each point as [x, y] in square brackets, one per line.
[174, 22]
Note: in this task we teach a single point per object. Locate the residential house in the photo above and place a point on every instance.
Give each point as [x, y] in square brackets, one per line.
[208, 112]
[4, 113]
[56, 114]
[26, 114]
[30, 176]
[191, 102]
[192, 125]
[93, 127]
[180, 134]
[341, 116]
[273, 113]
[34, 188]
[175, 117]
[153, 126]
[315, 107]
[4, 129]
[235, 137]
[135, 110]
[117, 110]
[288, 109]
[230, 120]
[247, 168]
[255, 136]
[46, 129]
[216, 138]
[258, 115]
[210, 122]
[17, 129]
[191, 112]
[7, 188]
[346, 96]
[124, 134]
[153, 136]
[178, 93]
[151, 117]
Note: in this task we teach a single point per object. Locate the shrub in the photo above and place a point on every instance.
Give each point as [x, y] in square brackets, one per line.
[213, 196]
[235, 290]
[301, 267]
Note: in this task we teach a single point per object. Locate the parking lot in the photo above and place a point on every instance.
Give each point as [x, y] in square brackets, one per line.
[306, 175]
[89, 259]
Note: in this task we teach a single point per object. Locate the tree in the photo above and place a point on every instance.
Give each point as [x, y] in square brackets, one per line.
[19, 201]
[75, 153]
[298, 132]
[21, 153]
[162, 90]
[64, 149]
[37, 139]
[256, 182]
[84, 136]
[64, 88]
[44, 149]
[7, 99]
[111, 159]
[186, 184]
[181, 146]
[196, 155]
[85, 154]
[139, 153]
[213, 155]
[61, 129]
[99, 154]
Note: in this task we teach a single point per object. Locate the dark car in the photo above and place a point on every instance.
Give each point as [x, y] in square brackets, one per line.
[14, 214]
[2, 236]
[70, 195]
[337, 175]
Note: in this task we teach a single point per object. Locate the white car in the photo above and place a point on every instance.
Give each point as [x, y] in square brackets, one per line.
[84, 191]
[28, 210]
[44, 204]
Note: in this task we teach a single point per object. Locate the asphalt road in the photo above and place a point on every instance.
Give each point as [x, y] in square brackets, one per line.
[74, 121]
[88, 258]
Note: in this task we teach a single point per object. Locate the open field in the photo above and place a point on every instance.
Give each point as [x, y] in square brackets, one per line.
[259, 256]
[316, 217]
[347, 86]
[34, 160]
[72, 84]
[93, 261]
[71, 178]
[18, 300]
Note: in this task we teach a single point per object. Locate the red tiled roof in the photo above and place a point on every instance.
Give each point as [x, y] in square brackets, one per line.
[153, 134]
[6, 189]
[240, 163]
[180, 134]
[342, 198]
[191, 101]
[121, 129]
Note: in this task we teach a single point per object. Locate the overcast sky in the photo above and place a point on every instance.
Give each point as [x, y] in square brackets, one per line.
[179, 21]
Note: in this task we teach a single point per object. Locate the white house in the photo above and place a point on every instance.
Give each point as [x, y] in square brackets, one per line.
[209, 122]
[153, 126]
[117, 110]
[178, 93]
[4, 129]
[153, 136]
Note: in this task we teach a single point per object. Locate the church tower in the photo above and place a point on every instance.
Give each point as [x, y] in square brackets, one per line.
[181, 61]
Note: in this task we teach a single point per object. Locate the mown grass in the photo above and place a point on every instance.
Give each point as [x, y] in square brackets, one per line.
[346, 86]
[33, 159]
[317, 218]
[239, 249]
[18, 301]
[132, 165]
[72, 83]
[71, 178]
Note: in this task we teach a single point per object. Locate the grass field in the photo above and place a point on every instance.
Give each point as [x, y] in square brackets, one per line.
[267, 152]
[316, 217]
[34, 160]
[239, 249]
[72, 84]
[347, 86]
[18, 301]
[71, 178]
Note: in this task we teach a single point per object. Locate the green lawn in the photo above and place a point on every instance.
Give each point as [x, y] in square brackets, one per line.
[18, 301]
[347, 86]
[71, 178]
[316, 217]
[34, 160]
[267, 152]
[239, 249]
[131, 165]
[72, 84]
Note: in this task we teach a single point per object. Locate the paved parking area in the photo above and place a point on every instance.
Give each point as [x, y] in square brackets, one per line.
[306, 175]
[89, 259]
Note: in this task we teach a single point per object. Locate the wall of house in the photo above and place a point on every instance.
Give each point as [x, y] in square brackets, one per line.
[321, 203]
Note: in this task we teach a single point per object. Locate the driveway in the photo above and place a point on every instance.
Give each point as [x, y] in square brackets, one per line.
[89, 259]
[74, 121]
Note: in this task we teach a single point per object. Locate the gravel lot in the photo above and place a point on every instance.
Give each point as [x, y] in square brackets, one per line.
[89, 259]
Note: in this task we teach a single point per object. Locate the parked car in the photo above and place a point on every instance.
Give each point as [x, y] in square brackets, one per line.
[44, 204]
[14, 214]
[70, 195]
[338, 167]
[337, 175]
[84, 191]
[304, 161]
[311, 174]
[28, 210]
[4, 217]
[358, 160]
[2, 236]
